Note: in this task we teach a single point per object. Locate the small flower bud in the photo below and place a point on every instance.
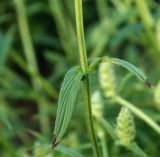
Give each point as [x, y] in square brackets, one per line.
[107, 79]
[97, 107]
[125, 127]
[97, 110]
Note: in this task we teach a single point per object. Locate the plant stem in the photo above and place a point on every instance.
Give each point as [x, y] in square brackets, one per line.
[80, 35]
[148, 22]
[102, 138]
[84, 66]
[64, 30]
[89, 118]
[138, 112]
[25, 37]
[20, 62]
[104, 146]
[31, 61]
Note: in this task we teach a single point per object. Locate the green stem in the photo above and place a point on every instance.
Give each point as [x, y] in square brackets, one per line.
[60, 19]
[25, 37]
[31, 60]
[86, 86]
[80, 35]
[104, 146]
[139, 113]
[20, 62]
[102, 139]
[89, 118]
[148, 22]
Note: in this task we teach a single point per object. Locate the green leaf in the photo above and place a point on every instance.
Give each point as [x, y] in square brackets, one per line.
[68, 151]
[5, 45]
[67, 98]
[4, 112]
[125, 33]
[137, 150]
[130, 67]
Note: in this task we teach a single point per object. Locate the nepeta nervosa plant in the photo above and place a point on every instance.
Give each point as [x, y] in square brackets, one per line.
[80, 76]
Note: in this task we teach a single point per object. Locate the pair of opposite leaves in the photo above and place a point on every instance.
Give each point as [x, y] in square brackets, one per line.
[69, 90]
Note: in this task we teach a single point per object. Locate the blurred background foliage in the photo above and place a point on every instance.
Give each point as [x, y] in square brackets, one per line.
[38, 46]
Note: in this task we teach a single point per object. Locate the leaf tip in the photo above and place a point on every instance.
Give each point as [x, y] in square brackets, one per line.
[54, 142]
[148, 84]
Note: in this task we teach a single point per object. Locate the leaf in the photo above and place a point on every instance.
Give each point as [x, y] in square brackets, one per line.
[125, 33]
[66, 102]
[5, 45]
[5, 17]
[68, 151]
[4, 112]
[137, 150]
[130, 67]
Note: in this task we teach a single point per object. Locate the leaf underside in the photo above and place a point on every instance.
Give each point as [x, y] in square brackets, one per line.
[130, 67]
[66, 102]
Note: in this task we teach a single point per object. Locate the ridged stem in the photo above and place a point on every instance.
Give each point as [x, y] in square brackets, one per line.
[80, 35]
[138, 113]
[86, 86]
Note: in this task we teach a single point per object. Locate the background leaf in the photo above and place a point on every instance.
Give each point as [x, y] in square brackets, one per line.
[137, 150]
[5, 45]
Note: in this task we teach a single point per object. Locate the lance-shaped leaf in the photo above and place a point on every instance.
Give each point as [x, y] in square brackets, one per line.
[66, 102]
[130, 67]
[137, 150]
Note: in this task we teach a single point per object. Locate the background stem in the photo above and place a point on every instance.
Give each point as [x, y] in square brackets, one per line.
[84, 65]
[138, 112]
[31, 63]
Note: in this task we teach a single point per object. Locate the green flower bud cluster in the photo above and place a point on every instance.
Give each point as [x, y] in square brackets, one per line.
[97, 111]
[107, 79]
[125, 129]
[97, 107]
